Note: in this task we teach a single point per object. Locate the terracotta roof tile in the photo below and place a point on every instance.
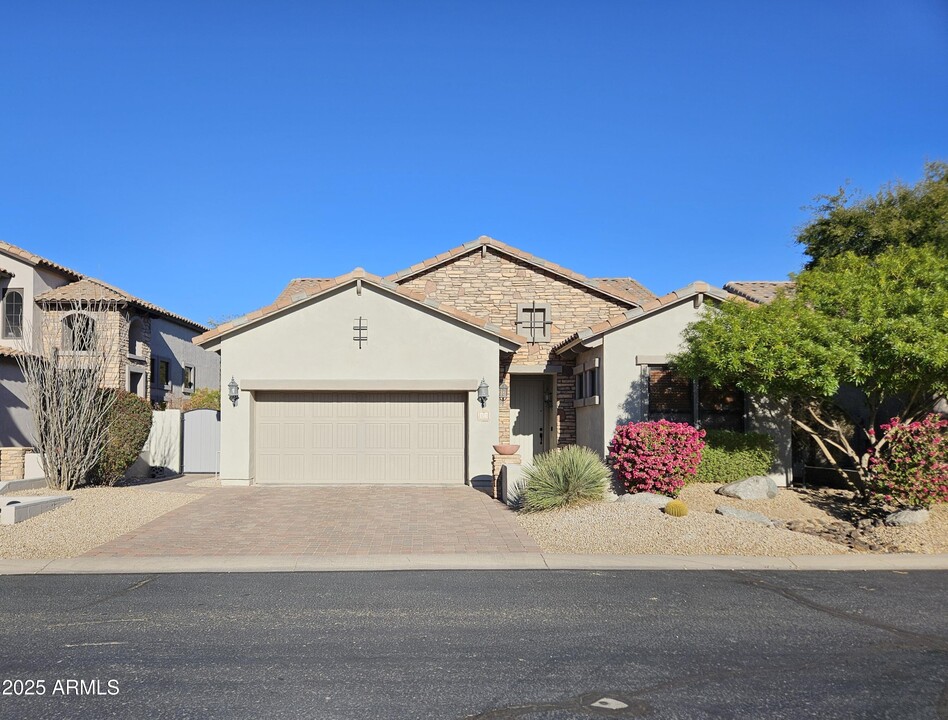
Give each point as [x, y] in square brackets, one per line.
[629, 286]
[33, 259]
[95, 290]
[759, 291]
[304, 289]
[614, 287]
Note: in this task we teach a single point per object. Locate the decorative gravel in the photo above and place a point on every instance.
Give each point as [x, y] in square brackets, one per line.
[930, 537]
[788, 505]
[95, 516]
[626, 529]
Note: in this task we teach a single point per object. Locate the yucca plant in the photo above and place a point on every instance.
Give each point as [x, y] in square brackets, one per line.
[572, 475]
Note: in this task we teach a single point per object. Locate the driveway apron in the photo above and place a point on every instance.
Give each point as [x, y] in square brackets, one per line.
[328, 521]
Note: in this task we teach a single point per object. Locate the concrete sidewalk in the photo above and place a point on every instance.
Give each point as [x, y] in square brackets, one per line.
[465, 561]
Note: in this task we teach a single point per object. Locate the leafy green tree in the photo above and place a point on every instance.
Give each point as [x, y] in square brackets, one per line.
[878, 325]
[898, 215]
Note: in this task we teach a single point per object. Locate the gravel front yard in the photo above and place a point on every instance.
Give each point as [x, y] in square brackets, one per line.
[620, 528]
[95, 516]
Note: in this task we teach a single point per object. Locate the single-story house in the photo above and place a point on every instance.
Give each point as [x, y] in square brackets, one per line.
[414, 377]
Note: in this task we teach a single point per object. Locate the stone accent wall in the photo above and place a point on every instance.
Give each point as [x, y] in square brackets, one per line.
[13, 463]
[114, 336]
[490, 286]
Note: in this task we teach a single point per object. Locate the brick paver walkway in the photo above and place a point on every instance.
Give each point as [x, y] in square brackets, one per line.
[340, 520]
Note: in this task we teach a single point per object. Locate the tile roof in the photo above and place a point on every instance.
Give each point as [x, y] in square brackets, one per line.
[95, 290]
[759, 291]
[630, 286]
[305, 289]
[33, 259]
[612, 287]
[635, 313]
[305, 285]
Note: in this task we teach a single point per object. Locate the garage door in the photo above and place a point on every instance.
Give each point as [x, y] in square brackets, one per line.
[322, 437]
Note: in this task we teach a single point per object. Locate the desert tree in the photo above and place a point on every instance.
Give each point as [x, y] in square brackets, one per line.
[875, 325]
[65, 368]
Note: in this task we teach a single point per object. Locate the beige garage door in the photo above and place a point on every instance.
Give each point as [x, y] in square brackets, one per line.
[323, 437]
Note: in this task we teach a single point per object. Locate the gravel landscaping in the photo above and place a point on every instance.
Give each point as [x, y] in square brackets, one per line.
[621, 528]
[95, 516]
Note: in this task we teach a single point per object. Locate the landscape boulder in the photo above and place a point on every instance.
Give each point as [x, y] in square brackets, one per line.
[904, 518]
[745, 515]
[757, 487]
[646, 499]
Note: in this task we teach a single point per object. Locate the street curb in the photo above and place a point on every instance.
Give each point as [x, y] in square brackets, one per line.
[467, 561]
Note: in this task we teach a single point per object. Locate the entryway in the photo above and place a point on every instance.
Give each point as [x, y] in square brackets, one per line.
[531, 414]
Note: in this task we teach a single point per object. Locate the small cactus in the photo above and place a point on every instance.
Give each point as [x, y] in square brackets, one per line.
[676, 508]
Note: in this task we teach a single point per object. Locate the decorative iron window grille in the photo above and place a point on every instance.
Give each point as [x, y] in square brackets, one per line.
[534, 321]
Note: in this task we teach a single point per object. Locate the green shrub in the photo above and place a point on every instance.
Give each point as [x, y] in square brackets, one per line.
[204, 398]
[129, 423]
[729, 456]
[572, 475]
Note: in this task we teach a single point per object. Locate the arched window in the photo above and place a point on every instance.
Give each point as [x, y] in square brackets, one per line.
[78, 333]
[13, 313]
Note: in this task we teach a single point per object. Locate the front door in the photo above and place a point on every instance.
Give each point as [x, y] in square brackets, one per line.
[528, 415]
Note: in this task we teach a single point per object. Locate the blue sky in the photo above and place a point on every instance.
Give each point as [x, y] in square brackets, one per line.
[201, 154]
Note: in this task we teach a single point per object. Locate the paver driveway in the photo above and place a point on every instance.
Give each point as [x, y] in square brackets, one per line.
[339, 520]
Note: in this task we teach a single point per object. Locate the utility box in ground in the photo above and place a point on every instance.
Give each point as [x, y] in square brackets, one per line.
[511, 484]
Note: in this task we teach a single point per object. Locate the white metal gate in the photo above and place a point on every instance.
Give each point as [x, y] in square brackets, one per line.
[201, 438]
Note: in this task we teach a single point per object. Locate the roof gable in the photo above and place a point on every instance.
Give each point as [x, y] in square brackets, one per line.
[698, 288]
[94, 290]
[613, 288]
[303, 291]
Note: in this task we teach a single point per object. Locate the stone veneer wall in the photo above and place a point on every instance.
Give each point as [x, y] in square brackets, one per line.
[490, 286]
[13, 462]
[115, 333]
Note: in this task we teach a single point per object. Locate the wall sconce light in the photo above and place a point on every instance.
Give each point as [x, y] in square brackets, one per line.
[482, 393]
[503, 388]
[233, 391]
[548, 399]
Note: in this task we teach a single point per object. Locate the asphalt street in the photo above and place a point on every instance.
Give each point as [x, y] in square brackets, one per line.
[465, 644]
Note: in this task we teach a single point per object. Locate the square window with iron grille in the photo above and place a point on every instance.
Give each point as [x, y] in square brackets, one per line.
[670, 396]
[534, 321]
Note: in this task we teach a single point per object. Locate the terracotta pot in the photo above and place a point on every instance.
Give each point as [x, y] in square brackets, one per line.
[506, 449]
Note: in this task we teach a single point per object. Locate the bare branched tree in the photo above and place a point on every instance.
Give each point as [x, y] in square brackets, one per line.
[65, 370]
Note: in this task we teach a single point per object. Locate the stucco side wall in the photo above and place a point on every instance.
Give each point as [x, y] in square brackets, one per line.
[16, 421]
[625, 390]
[172, 341]
[764, 416]
[589, 418]
[315, 342]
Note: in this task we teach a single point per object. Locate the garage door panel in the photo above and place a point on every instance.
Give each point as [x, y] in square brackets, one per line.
[323, 436]
[326, 437]
[399, 436]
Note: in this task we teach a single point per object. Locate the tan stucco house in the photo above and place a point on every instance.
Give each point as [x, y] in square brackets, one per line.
[368, 379]
[40, 302]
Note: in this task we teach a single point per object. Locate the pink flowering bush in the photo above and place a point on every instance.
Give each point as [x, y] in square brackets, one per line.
[912, 466]
[655, 456]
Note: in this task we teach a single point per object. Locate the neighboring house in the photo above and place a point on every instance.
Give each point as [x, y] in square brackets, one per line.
[42, 302]
[364, 379]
